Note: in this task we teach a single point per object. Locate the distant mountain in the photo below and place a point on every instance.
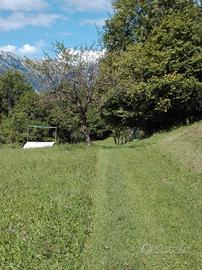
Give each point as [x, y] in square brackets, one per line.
[11, 61]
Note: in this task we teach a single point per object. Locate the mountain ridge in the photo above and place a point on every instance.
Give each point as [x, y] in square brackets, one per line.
[10, 60]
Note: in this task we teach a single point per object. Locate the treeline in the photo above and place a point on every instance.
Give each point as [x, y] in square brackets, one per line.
[149, 79]
[153, 66]
[21, 106]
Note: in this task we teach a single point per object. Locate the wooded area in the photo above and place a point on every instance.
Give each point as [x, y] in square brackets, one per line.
[149, 79]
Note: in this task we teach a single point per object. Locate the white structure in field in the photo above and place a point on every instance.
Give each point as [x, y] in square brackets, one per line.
[32, 145]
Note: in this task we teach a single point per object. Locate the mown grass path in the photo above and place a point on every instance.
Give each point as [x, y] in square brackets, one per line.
[146, 211]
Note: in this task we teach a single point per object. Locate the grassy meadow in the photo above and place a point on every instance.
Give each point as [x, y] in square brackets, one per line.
[130, 207]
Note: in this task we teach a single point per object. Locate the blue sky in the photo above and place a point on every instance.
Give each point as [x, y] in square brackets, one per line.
[28, 27]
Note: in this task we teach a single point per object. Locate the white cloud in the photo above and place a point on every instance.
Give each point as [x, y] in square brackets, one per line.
[25, 50]
[88, 5]
[18, 20]
[22, 5]
[98, 22]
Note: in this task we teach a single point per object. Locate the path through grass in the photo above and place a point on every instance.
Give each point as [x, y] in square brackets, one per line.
[136, 206]
[146, 212]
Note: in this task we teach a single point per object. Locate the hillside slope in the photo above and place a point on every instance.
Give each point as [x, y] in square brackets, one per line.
[148, 203]
[11, 61]
[185, 144]
[130, 207]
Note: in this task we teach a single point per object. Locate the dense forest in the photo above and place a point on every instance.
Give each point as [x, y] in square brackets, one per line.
[148, 79]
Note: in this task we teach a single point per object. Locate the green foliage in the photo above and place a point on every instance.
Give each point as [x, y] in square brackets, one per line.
[98, 127]
[157, 83]
[17, 99]
[12, 86]
[72, 78]
[133, 20]
[150, 78]
[21, 106]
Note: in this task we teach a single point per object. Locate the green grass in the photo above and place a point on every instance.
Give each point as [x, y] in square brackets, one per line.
[136, 206]
[45, 207]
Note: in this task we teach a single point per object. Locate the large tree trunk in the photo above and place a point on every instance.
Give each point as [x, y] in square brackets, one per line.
[86, 134]
[85, 130]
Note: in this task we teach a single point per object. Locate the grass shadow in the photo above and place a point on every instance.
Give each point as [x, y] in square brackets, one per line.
[135, 145]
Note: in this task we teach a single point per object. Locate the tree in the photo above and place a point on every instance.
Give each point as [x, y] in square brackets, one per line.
[134, 20]
[18, 104]
[71, 75]
[12, 86]
[56, 112]
[157, 83]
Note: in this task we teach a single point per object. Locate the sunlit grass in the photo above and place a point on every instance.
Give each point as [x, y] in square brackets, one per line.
[45, 207]
[134, 206]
